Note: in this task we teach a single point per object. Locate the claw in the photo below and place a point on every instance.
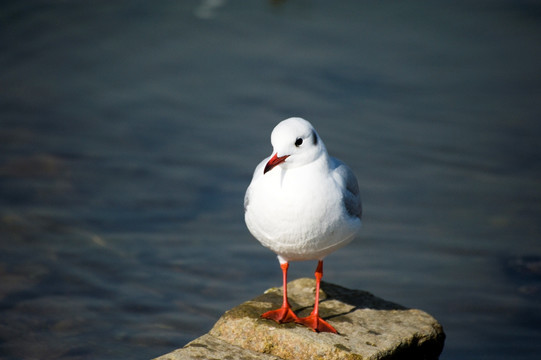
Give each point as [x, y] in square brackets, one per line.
[281, 315]
[317, 324]
[313, 321]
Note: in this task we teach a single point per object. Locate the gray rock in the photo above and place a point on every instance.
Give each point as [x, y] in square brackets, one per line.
[368, 327]
[208, 347]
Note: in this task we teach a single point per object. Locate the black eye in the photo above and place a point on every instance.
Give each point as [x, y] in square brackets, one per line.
[298, 142]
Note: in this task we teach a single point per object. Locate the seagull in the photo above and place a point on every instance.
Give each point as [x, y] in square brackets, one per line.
[302, 204]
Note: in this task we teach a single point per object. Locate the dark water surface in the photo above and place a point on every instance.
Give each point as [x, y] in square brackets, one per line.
[129, 131]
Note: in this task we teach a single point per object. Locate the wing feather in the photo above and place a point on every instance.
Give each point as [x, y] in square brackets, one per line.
[351, 196]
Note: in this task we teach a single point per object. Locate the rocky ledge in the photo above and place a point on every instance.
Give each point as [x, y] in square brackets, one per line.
[369, 328]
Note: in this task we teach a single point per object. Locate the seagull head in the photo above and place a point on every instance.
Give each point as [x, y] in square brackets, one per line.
[295, 143]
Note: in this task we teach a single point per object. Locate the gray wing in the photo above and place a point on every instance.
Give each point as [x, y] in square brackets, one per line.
[257, 173]
[246, 199]
[351, 196]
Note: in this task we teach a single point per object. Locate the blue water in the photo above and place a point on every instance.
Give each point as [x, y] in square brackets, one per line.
[129, 131]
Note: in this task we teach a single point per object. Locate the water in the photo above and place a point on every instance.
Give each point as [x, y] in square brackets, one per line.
[130, 130]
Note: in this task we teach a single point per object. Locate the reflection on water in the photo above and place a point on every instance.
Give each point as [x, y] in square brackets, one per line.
[129, 133]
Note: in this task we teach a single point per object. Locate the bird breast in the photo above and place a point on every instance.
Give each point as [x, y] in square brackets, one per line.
[296, 208]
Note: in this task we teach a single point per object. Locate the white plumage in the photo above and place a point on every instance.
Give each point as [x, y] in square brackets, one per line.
[307, 206]
[302, 204]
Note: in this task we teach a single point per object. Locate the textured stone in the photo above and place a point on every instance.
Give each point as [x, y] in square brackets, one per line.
[207, 347]
[368, 327]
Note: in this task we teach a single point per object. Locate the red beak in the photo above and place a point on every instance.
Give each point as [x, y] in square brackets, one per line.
[274, 160]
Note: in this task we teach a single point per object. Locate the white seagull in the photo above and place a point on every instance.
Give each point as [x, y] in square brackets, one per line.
[302, 204]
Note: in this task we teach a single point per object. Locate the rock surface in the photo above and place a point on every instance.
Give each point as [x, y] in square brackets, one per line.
[368, 327]
[208, 347]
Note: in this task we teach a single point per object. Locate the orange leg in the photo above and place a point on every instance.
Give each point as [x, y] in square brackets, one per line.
[283, 314]
[313, 321]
